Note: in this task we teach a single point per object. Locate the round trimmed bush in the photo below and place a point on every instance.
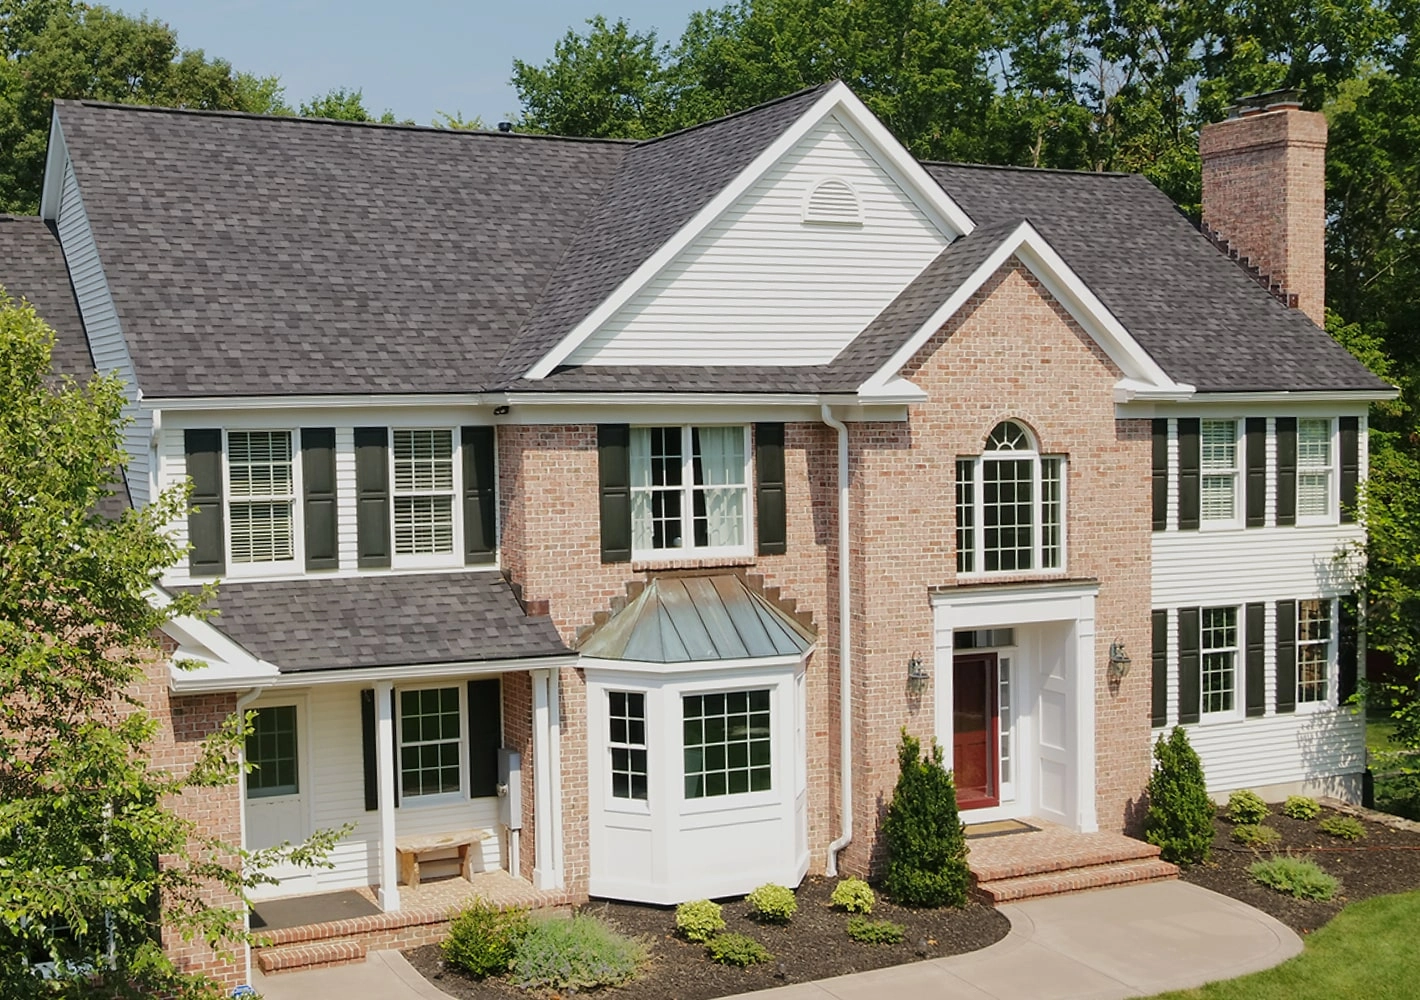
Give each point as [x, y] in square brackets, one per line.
[737, 949]
[699, 920]
[1301, 807]
[1246, 807]
[866, 931]
[773, 904]
[1255, 835]
[853, 895]
[483, 939]
[1344, 827]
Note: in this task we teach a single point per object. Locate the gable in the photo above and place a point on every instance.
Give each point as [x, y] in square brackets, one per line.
[764, 286]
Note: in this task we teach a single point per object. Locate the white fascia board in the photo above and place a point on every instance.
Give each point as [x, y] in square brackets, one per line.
[1322, 403]
[221, 663]
[411, 673]
[181, 404]
[54, 160]
[596, 666]
[1360, 397]
[1027, 245]
[685, 408]
[855, 114]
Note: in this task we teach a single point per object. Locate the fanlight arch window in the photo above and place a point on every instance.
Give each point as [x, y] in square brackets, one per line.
[833, 201]
[1010, 504]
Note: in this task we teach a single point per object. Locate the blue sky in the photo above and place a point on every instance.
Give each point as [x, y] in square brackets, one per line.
[414, 57]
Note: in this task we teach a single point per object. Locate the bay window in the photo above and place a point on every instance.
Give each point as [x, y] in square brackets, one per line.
[423, 492]
[727, 743]
[690, 489]
[626, 741]
[261, 485]
[1010, 506]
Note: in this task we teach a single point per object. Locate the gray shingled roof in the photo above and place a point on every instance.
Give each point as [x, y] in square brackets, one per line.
[1195, 311]
[387, 620]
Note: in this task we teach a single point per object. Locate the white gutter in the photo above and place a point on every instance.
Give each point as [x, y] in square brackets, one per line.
[195, 683]
[242, 704]
[845, 676]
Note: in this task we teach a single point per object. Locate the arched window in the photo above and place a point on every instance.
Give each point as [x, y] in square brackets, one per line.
[835, 202]
[1010, 504]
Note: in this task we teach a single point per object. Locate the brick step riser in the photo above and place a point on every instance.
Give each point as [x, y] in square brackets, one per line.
[1000, 872]
[274, 961]
[1075, 880]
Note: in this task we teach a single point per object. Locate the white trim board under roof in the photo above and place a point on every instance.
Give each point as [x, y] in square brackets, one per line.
[837, 101]
[1143, 378]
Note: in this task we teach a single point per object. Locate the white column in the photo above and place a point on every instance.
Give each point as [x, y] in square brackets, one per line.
[1085, 763]
[384, 755]
[547, 781]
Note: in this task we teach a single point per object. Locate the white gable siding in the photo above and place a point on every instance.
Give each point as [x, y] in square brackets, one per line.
[100, 317]
[762, 286]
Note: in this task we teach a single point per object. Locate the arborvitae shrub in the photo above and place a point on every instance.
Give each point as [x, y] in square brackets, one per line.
[1180, 816]
[1246, 807]
[926, 843]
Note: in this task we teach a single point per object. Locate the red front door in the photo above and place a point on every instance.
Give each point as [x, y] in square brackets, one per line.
[976, 730]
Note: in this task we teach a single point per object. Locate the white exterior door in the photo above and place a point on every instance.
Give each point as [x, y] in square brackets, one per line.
[276, 806]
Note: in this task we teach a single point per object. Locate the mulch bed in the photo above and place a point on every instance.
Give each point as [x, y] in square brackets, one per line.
[1386, 861]
[814, 946]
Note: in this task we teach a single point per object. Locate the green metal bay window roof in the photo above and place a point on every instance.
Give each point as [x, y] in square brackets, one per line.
[695, 619]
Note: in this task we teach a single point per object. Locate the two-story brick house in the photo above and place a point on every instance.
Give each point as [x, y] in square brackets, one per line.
[694, 469]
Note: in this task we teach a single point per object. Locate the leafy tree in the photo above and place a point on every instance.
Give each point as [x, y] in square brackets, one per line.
[261, 95]
[342, 105]
[926, 842]
[84, 812]
[457, 122]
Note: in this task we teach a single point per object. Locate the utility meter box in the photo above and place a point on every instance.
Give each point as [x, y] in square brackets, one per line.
[510, 788]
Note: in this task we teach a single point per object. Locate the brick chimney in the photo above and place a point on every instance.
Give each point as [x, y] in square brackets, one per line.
[1264, 192]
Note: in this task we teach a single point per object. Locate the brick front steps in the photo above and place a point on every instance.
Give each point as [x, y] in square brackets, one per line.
[1053, 860]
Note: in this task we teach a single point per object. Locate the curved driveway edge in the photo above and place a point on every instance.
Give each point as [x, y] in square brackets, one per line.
[1107, 944]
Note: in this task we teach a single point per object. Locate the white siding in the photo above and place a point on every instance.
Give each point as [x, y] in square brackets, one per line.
[1250, 564]
[1281, 749]
[761, 286]
[106, 342]
[347, 539]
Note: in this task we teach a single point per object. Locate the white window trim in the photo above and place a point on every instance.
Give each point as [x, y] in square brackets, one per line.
[440, 560]
[1329, 702]
[407, 800]
[731, 800]
[296, 565]
[635, 807]
[1238, 520]
[1239, 651]
[687, 490]
[978, 513]
[1333, 477]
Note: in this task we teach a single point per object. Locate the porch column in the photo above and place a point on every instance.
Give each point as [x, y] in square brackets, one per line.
[384, 754]
[547, 780]
[1085, 711]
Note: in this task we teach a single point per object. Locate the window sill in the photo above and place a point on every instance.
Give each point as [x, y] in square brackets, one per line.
[628, 807]
[724, 803]
[642, 562]
[432, 801]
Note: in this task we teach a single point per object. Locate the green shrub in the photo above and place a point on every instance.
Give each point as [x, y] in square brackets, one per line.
[1301, 807]
[773, 904]
[1255, 835]
[1180, 816]
[699, 920]
[1345, 827]
[737, 949]
[1246, 807]
[483, 939]
[580, 952]
[926, 843]
[1300, 877]
[853, 895]
[866, 931]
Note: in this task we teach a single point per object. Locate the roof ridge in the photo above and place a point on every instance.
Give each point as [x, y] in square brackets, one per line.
[311, 120]
[1030, 170]
[739, 114]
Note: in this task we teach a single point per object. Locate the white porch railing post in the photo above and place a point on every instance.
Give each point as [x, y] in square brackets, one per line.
[384, 754]
[547, 812]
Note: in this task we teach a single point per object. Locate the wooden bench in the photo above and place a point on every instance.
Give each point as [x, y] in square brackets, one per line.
[410, 848]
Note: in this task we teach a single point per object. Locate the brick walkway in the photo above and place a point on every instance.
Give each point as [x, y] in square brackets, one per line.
[1053, 859]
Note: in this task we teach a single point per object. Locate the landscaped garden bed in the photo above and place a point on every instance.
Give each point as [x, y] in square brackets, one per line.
[813, 945]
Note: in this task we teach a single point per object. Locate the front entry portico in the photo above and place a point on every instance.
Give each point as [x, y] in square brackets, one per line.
[1016, 701]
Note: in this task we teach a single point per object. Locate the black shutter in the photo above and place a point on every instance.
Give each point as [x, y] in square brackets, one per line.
[1350, 467]
[205, 524]
[371, 758]
[1348, 650]
[1256, 485]
[770, 497]
[372, 496]
[614, 472]
[485, 736]
[480, 496]
[1161, 475]
[1188, 483]
[1160, 706]
[1286, 656]
[1256, 645]
[1286, 471]
[318, 489]
[1190, 675]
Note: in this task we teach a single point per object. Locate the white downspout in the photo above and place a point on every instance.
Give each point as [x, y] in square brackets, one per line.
[845, 676]
[242, 704]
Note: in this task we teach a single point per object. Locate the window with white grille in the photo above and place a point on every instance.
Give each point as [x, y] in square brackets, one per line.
[689, 489]
[833, 201]
[1219, 470]
[261, 488]
[1010, 506]
[1220, 660]
[1313, 650]
[430, 745]
[1314, 457]
[423, 492]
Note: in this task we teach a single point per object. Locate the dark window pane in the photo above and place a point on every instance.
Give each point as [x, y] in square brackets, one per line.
[638, 786]
[737, 701]
[715, 783]
[694, 786]
[759, 779]
[738, 782]
[620, 786]
[714, 704]
[618, 730]
[759, 701]
[636, 732]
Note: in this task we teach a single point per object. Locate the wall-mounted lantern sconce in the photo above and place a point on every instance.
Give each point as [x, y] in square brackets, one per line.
[917, 675]
[1118, 662]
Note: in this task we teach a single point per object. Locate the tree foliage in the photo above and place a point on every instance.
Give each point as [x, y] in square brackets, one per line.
[85, 812]
[343, 105]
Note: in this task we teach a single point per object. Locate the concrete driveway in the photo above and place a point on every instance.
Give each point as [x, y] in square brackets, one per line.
[1108, 944]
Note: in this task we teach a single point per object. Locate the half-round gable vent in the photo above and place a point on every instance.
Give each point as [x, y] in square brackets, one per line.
[833, 201]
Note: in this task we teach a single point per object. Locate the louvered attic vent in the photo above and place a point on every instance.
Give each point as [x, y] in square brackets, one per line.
[835, 202]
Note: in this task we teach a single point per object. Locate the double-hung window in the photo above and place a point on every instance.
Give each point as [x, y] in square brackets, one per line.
[1219, 648]
[430, 741]
[261, 485]
[424, 490]
[690, 490]
[1218, 484]
[1010, 506]
[626, 715]
[1313, 651]
[1314, 464]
